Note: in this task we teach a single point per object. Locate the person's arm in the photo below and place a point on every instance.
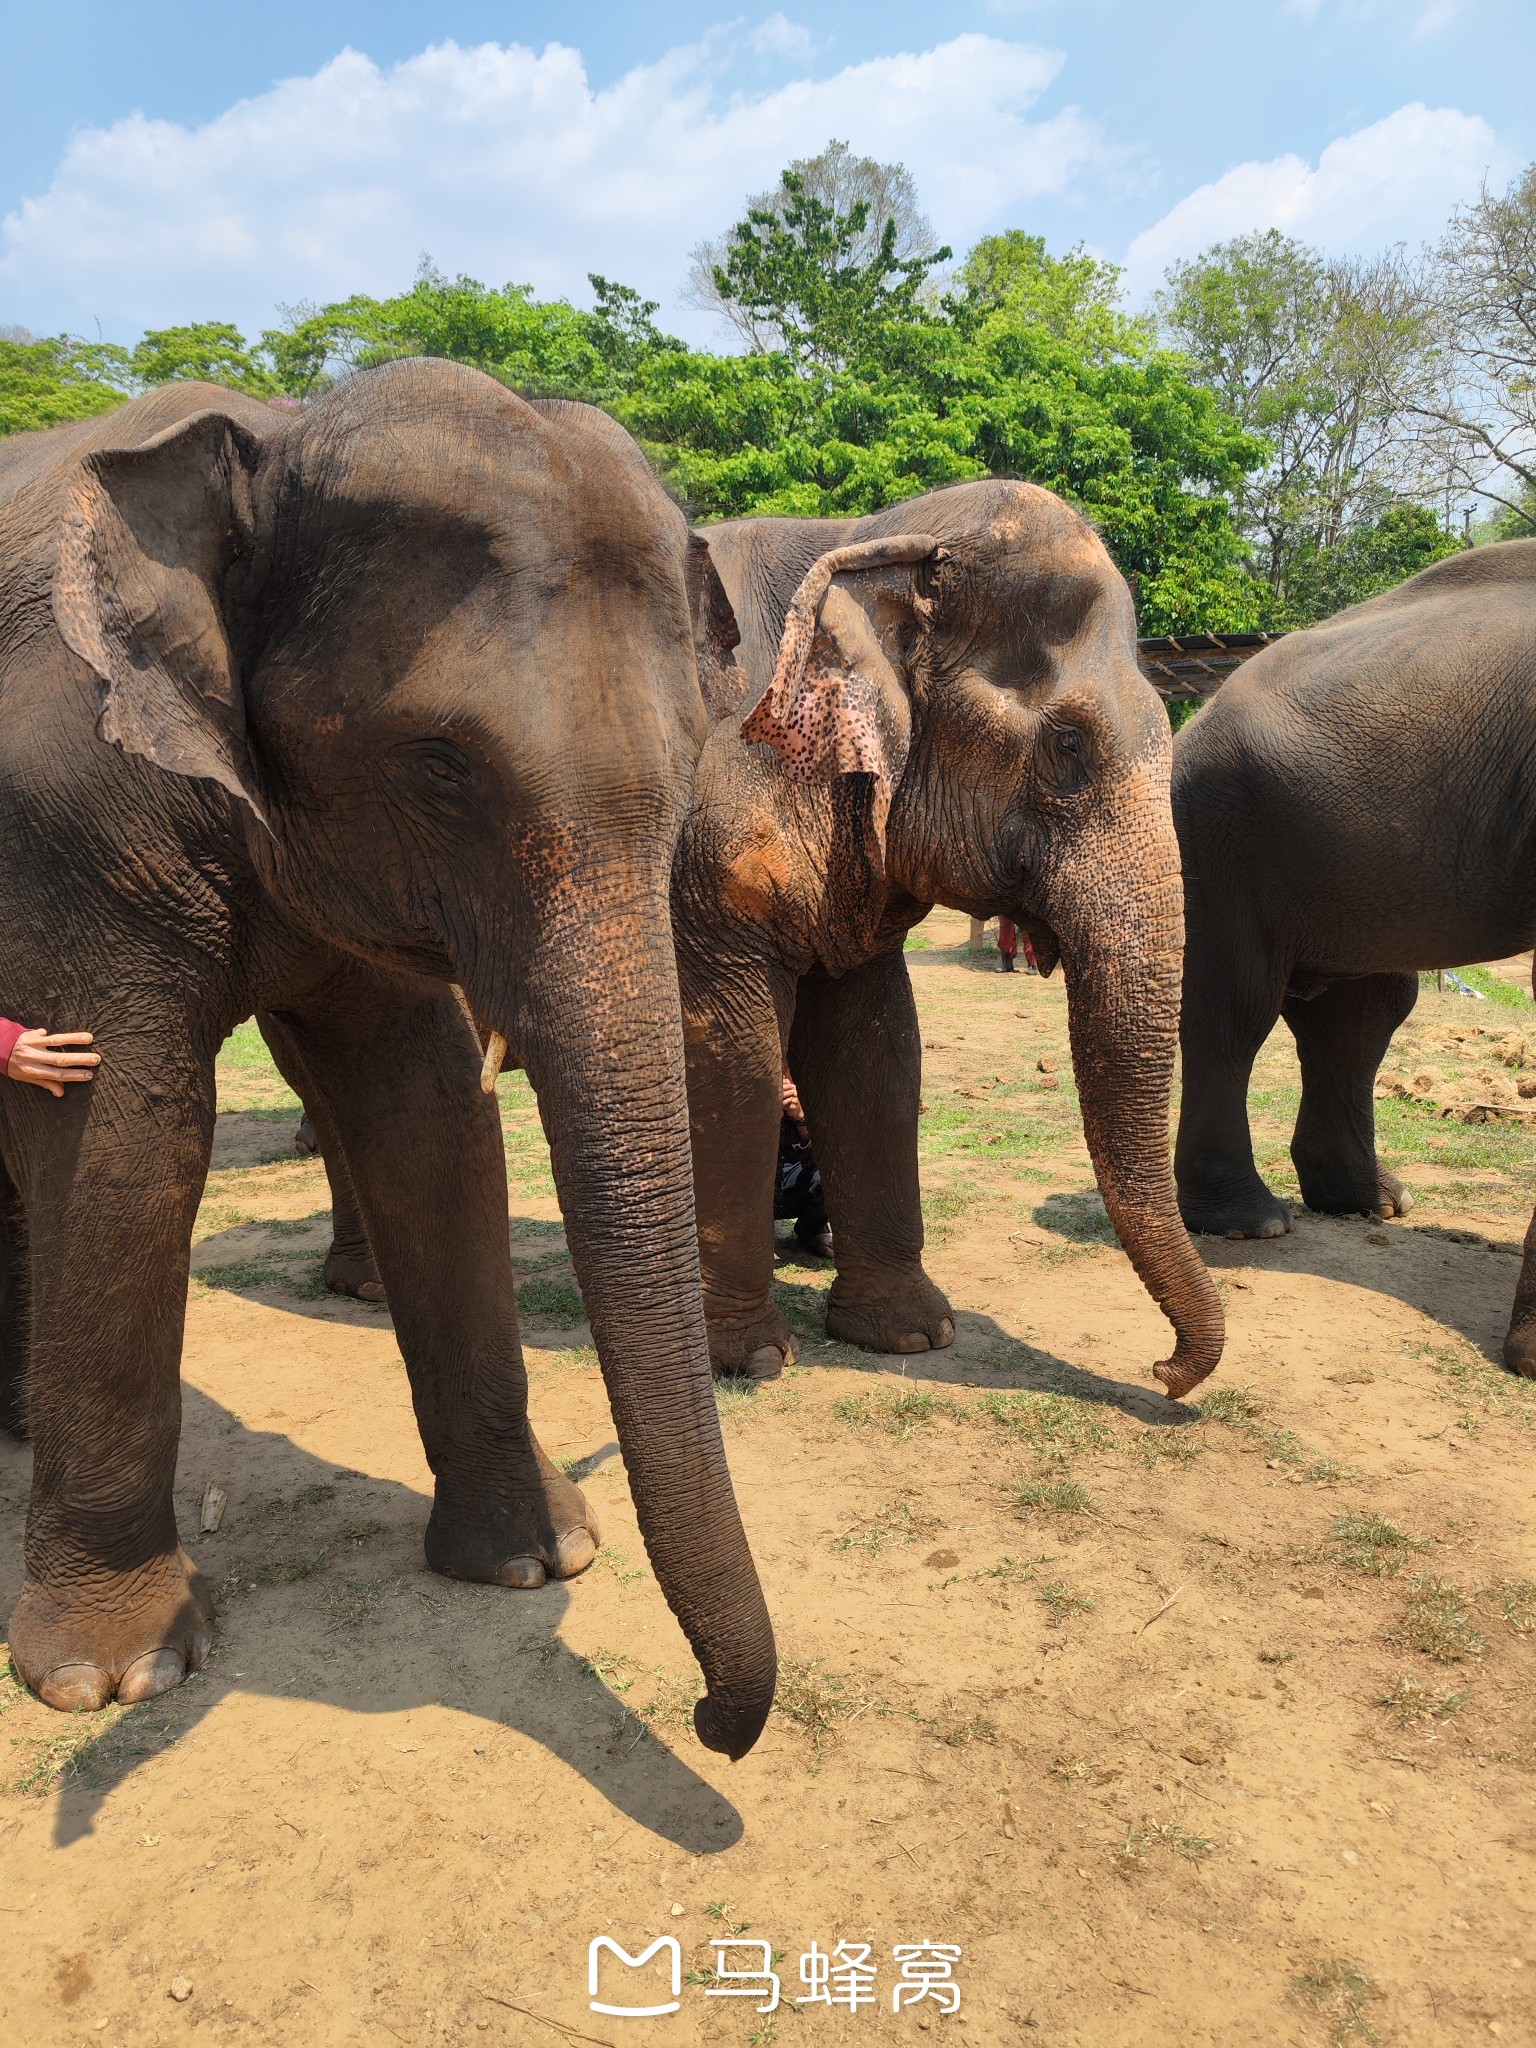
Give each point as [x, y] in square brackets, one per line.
[47, 1059]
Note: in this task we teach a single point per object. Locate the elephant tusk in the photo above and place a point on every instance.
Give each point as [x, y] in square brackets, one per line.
[495, 1053]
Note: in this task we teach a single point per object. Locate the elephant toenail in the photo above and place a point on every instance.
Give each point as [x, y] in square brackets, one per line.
[526, 1574]
[765, 1363]
[155, 1672]
[75, 1688]
[370, 1290]
[197, 1654]
[911, 1340]
[1273, 1228]
[573, 1553]
[946, 1335]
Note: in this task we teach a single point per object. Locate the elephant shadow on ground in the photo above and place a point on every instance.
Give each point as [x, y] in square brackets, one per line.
[984, 1354]
[1460, 1278]
[323, 1596]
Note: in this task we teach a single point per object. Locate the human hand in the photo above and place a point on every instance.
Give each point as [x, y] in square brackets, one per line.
[42, 1058]
[789, 1100]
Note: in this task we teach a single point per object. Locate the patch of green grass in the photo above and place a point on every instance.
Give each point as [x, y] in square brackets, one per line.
[1338, 1992]
[802, 1303]
[1060, 1602]
[1238, 1407]
[917, 942]
[1371, 1544]
[953, 1128]
[901, 1413]
[816, 1700]
[1435, 1622]
[1404, 1129]
[1166, 1835]
[1168, 1446]
[1052, 1425]
[1080, 1217]
[1055, 1497]
[1515, 1602]
[1467, 1376]
[894, 1523]
[243, 1273]
[555, 1303]
[1508, 995]
[352, 1601]
[1412, 1701]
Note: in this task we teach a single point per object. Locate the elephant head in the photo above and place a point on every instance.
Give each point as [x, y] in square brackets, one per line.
[967, 661]
[437, 646]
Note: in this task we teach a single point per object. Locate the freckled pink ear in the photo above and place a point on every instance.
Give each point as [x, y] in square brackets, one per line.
[836, 706]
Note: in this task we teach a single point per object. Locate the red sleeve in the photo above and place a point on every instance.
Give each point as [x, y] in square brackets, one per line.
[9, 1033]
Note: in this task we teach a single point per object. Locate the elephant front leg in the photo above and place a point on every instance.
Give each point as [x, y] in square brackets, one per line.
[15, 1342]
[1226, 1018]
[394, 1071]
[734, 1017]
[856, 1055]
[1520, 1344]
[111, 1606]
[1342, 1035]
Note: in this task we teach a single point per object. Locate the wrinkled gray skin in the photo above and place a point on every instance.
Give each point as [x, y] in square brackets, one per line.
[1029, 759]
[1357, 804]
[317, 715]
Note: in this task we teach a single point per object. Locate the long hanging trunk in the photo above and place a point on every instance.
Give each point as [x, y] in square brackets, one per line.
[601, 1037]
[1122, 948]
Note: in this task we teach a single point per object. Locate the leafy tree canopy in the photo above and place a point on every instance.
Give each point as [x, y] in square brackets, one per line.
[48, 383]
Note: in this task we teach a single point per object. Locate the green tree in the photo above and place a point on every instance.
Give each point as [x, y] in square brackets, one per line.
[50, 382]
[209, 351]
[1373, 556]
[1303, 351]
[840, 180]
[1075, 297]
[801, 271]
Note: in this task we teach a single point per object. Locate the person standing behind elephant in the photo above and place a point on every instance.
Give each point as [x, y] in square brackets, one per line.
[329, 717]
[1355, 806]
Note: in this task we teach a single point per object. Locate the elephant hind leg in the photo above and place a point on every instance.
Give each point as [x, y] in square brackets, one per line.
[1342, 1035]
[350, 1267]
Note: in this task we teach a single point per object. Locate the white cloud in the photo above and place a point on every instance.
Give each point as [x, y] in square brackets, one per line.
[1421, 18]
[778, 36]
[505, 163]
[1396, 180]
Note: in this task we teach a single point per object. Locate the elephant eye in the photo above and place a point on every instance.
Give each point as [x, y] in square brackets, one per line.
[1064, 759]
[445, 762]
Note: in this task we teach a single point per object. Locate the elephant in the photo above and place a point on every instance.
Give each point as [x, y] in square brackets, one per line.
[1354, 806]
[943, 705]
[374, 718]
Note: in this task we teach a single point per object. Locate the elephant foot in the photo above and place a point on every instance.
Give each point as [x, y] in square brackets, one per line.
[544, 1530]
[1256, 1214]
[754, 1347]
[351, 1271]
[127, 1638]
[903, 1314]
[1392, 1198]
[1520, 1350]
[304, 1139]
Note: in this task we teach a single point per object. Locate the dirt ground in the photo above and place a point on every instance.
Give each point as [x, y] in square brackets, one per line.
[1194, 1724]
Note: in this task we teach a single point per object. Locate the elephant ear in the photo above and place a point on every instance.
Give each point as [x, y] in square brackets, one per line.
[838, 705]
[148, 534]
[722, 681]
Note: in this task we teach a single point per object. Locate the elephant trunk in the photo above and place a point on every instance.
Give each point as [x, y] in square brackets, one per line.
[606, 1061]
[1122, 944]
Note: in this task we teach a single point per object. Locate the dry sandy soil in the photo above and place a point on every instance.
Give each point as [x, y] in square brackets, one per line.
[1210, 1723]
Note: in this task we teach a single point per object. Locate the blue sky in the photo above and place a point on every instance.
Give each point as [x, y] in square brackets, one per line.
[178, 162]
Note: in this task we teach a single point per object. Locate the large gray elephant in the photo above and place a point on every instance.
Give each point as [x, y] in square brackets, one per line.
[318, 715]
[1357, 804]
[943, 706]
